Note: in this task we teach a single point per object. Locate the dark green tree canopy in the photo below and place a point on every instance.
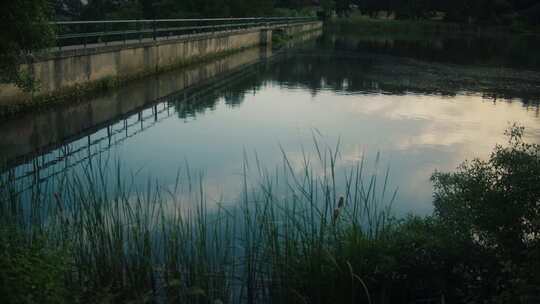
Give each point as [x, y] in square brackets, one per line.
[467, 11]
[478, 11]
[496, 201]
[24, 28]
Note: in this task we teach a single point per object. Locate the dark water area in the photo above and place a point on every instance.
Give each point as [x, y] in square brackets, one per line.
[502, 50]
[411, 104]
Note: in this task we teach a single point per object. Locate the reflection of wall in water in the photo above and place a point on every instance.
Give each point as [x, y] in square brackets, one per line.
[36, 132]
[40, 146]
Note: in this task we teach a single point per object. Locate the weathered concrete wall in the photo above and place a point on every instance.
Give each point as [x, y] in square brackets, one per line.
[67, 69]
[302, 28]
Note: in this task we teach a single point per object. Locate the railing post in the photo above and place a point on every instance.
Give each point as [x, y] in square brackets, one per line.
[58, 42]
[140, 30]
[154, 30]
[105, 32]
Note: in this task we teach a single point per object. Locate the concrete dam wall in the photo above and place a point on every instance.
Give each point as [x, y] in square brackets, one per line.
[67, 69]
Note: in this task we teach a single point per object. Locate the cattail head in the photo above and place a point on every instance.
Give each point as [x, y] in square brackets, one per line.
[341, 202]
[335, 216]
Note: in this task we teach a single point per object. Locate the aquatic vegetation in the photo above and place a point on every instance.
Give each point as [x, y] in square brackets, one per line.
[315, 230]
[128, 243]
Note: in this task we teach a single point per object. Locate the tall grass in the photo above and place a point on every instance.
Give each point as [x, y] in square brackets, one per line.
[285, 239]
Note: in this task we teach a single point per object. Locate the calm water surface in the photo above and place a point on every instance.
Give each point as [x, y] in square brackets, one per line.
[423, 105]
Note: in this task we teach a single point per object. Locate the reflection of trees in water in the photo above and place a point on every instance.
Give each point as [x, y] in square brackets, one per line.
[368, 72]
[236, 93]
[231, 90]
[340, 68]
[512, 51]
[351, 64]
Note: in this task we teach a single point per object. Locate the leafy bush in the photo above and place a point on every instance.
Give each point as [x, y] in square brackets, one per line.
[31, 273]
[25, 28]
[496, 203]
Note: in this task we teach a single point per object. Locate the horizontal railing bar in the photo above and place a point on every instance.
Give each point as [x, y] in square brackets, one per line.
[175, 20]
[142, 31]
[164, 29]
[103, 34]
[127, 32]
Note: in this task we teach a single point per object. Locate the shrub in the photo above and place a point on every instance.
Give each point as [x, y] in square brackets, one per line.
[496, 203]
[31, 272]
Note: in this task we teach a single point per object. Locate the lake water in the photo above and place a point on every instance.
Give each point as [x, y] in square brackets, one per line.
[413, 105]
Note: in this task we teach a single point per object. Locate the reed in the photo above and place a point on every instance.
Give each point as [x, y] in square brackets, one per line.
[287, 233]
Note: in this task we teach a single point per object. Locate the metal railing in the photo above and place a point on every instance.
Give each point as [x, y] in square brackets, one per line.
[82, 34]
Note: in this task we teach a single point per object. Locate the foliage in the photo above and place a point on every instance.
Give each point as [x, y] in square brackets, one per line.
[327, 8]
[480, 245]
[25, 28]
[161, 9]
[415, 259]
[31, 272]
[497, 204]
[289, 238]
[467, 11]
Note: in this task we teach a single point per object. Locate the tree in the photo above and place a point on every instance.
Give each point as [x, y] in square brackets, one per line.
[497, 203]
[68, 9]
[328, 7]
[464, 11]
[25, 28]
[343, 7]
